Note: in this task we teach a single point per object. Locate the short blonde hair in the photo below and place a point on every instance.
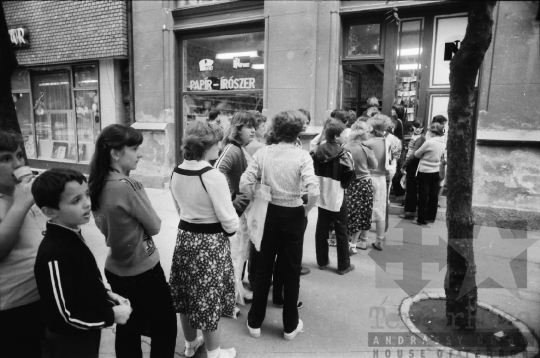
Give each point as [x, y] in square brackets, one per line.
[358, 129]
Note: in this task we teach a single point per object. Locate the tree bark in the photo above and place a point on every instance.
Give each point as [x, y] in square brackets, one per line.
[460, 282]
[8, 63]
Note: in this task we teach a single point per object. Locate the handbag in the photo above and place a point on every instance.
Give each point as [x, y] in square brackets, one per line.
[256, 217]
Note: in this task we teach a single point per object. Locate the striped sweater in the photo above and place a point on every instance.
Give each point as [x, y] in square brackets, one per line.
[73, 297]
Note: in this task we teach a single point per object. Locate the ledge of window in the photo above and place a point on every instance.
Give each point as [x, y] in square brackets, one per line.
[214, 8]
[150, 126]
[355, 6]
[508, 138]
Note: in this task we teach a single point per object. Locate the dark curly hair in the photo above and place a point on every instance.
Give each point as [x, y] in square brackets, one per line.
[10, 141]
[287, 125]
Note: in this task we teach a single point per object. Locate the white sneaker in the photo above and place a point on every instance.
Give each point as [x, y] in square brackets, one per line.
[254, 332]
[227, 353]
[299, 328]
[191, 348]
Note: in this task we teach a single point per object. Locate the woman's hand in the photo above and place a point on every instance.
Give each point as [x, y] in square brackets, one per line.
[117, 299]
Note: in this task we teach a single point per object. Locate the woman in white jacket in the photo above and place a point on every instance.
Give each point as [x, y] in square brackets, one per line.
[430, 154]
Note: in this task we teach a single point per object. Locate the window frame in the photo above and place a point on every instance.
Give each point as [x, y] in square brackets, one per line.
[73, 88]
[348, 23]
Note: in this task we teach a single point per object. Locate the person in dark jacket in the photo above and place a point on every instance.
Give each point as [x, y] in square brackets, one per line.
[76, 305]
[334, 167]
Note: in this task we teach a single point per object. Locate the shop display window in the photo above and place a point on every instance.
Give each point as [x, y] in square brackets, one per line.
[224, 72]
[364, 40]
[58, 111]
[408, 67]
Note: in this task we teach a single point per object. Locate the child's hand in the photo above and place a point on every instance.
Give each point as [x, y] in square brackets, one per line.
[117, 299]
[23, 192]
[122, 313]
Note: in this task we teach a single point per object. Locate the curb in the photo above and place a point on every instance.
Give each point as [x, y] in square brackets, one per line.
[532, 344]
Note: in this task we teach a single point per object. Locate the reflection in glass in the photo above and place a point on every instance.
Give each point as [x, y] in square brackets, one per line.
[53, 114]
[196, 107]
[224, 63]
[23, 108]
[86, 76]
[87, 110]
[364, 40]
[409, 66]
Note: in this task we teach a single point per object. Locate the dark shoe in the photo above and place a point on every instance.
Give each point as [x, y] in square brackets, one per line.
[349, 269]
[407, 216]
[323, 267]
[298, 305]
[420, 222]
[377, 246]
[304, 271]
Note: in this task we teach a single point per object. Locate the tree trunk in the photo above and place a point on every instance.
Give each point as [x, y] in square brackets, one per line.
[8, 63]
[460, 282]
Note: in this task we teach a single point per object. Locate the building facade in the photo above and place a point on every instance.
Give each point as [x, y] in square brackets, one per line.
[190, 55]
[73, 76]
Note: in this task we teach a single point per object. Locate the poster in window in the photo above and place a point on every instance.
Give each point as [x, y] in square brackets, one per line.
[438, 105]
[72, 154]
[59, 150]
[447, 37]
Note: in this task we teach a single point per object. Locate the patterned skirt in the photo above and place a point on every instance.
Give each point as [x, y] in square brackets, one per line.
[379, 198]
[359, 205]
[202, 278]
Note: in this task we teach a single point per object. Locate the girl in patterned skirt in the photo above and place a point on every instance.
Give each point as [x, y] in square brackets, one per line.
[360, 192]
[202, 275]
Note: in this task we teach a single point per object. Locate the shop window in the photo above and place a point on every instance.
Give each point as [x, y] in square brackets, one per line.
[408, 67]
[182, 3]
[58, 111]
[224, 72]
[364, 40]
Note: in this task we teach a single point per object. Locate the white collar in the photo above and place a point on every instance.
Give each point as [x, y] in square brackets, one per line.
[194, 164]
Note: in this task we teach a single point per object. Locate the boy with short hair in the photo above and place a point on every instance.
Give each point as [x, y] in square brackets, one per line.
[76, 305]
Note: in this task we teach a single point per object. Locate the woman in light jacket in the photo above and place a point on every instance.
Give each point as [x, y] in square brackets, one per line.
[430, 154]
[288, 170]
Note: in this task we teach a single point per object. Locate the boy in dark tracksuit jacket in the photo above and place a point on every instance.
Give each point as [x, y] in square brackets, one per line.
[335, 168]
[75, 303]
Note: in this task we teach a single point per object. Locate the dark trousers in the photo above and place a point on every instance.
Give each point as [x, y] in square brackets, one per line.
[428, 195]
[284, 236]
[411, 197]
[396, 181]
[21, 331]
[153, 311]
[83, 345]
[339, 218]
[252, 264]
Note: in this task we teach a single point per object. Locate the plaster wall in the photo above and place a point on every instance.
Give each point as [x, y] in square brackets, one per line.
[507, 178]
[153, 47]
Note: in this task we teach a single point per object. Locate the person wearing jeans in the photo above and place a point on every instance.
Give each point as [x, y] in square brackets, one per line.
[288, 171]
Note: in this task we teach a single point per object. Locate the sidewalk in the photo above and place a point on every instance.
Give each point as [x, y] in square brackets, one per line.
[340, 311]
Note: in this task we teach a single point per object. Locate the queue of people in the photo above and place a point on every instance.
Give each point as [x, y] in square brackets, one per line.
[52, 292]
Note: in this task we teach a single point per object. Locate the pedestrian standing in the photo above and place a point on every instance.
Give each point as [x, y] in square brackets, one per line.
[377, 143]
[360, 192]
[124, 215]
[21, 226]
[409, 168]
[233, 162]
[202, 277]
[334, 168]
[288, 170]
[430, 154]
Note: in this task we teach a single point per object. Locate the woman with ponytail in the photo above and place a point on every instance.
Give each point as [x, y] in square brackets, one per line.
[124, 214]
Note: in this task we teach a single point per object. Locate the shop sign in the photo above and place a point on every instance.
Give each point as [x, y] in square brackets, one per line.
[206, 65]
[450, 49]
[241, 62]
[19, 37]
[220, 84]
